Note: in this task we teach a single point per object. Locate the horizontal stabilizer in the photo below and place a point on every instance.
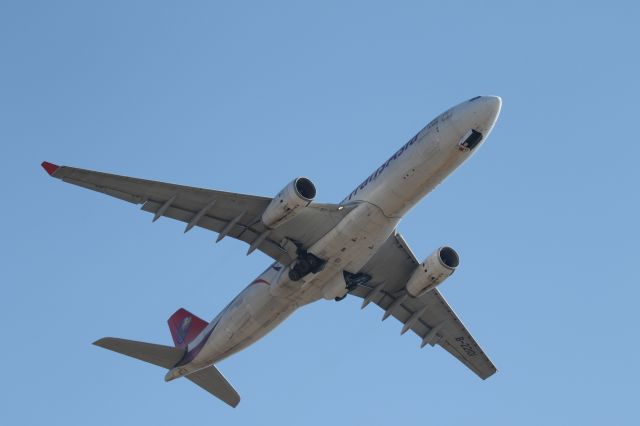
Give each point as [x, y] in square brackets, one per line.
[211, 380]
[160, 355]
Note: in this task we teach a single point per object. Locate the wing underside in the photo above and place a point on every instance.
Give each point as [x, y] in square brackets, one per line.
[429, 316]
[228, 214]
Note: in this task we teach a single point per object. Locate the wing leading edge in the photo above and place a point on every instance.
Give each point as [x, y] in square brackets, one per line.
[429, 316]
[227, 213]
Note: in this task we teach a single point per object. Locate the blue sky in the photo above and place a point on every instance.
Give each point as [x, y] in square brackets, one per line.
[245, 96]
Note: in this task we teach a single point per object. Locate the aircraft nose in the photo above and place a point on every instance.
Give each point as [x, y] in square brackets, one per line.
[479, 113]
[492, 107]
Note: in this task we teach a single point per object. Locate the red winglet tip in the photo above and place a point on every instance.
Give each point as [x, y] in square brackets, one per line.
[50, 167]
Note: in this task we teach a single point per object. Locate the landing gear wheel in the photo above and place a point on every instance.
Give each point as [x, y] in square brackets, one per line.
[303, 266]
[294, 275]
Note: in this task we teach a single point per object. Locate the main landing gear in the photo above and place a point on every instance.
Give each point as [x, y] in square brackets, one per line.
[305, 264]
[308, 263]
[352, 281]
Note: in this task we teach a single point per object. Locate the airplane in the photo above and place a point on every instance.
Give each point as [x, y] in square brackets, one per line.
[320, 251]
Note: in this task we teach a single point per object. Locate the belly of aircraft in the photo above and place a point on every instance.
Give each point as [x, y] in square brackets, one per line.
[255, 312]
[355, 239]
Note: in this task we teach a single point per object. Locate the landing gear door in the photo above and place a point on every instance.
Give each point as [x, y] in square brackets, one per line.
[470, 140]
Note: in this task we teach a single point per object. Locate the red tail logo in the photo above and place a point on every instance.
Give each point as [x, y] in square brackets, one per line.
[185, 327]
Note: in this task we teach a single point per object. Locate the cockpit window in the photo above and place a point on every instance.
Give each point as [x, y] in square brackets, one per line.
[473, 99]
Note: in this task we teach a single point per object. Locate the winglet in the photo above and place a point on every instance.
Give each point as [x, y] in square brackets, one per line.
[50, 167]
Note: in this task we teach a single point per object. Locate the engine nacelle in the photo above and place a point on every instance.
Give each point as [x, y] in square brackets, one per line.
[433, 271]
[289, 202]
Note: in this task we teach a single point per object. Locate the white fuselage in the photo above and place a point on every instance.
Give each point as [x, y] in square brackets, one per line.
[381, 200]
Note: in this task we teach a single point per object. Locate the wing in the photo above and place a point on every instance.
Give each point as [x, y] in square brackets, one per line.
[229, 214]
[429, 315]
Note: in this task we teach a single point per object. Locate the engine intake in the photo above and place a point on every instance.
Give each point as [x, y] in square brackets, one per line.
[289, 202]
[433, 271]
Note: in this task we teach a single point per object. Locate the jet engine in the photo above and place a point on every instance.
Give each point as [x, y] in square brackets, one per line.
[289, 202]
[433, 271]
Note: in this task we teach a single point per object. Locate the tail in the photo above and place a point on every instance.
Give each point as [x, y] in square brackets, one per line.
[184, 328]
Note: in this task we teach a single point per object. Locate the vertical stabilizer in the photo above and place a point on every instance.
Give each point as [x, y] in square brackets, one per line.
[185, 327]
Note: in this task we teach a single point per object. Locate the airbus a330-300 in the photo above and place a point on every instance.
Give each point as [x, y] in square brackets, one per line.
[320, 251]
